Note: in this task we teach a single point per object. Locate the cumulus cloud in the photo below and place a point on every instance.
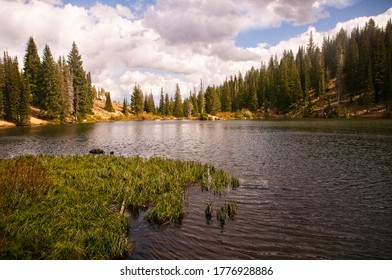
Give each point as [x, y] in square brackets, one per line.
[179, 21]
[172, 41]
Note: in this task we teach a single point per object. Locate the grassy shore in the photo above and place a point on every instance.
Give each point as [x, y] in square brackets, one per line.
[72, 207]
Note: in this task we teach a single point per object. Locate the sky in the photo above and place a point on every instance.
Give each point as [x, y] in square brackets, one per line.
[160, 43]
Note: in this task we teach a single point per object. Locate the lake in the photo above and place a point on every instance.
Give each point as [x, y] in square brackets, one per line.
[310, 189]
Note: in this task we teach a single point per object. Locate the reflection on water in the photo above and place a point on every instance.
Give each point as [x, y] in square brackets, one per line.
[309, 189]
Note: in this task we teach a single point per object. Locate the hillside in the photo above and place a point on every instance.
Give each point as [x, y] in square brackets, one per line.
[329, 106]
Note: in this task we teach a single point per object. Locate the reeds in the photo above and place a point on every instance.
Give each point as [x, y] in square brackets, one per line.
[70, 207]
[208, 211]
[226, 211]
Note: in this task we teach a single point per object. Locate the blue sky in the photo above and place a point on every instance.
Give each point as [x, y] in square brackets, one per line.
[160, 43]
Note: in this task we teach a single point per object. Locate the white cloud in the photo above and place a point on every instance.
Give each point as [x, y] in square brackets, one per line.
[175, 42]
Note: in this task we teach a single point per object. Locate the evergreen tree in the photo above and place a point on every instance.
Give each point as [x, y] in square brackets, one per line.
[2, 85]
[261, 95]
[168, 107]
[125, 107]
[282, 93]
[137, 100]
[108, 103]
[178, 110]
[378, 64]
[254, 103]
[213, 104]
[80, 83]
[171, 106]
[188, 107]
[66, 89]
[226, 97]
[201, 103]
[340, 72]
[369, 93]
[49, 85]
[162, 108]
[90, 94]
[24, 114]
[11, 88]
[149, 104]
[193, 101]
[95, 92]
[320, 73]
[31, 70]
[352, 67]
[300, 63]
[388, 67]
[145, 104]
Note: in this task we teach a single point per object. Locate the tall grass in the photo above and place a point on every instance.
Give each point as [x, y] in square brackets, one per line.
[69, 207]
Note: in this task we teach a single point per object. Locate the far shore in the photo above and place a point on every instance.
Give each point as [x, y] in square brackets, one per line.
[101, 115]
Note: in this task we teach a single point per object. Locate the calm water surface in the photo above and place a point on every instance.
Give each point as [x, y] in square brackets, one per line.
[309, 189]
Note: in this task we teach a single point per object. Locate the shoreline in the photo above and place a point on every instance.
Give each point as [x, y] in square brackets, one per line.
[101, 115]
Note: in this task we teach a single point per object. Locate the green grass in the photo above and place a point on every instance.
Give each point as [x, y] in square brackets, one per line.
[69, 207]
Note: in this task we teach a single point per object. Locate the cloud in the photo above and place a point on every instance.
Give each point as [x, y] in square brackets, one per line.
[172, 42]
[178, 21]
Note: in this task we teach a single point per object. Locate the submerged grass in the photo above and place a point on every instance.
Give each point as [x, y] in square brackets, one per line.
[69, 207]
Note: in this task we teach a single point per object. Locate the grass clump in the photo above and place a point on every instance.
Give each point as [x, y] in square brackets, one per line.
[208, 211]
[69, 207]
[227, 211]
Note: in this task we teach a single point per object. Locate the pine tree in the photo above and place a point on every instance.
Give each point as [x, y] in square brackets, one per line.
[108, 103]
[24, 113]
[178, 110]
[213, 104]
[80, 83]
[201, 102]
[168, 107]
[369, 93]
[31, 70]
[162, 108]
[388, 68]
[49, 85]
[188, 107]
[261, 94]
[137, 100]
[2, 85]
[226, 97]
[11, 89]
[193, 101]
[340, 72]
[66, 89]
[149, 104]
[90, 94]
[352, 67]
[254, 102]
[125, 107]
[378, 64]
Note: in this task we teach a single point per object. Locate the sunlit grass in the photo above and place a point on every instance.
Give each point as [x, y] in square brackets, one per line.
[70, 207]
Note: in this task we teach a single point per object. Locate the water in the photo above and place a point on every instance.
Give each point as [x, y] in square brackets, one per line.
[309, 189]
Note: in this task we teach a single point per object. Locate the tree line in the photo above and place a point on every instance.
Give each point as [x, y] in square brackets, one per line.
[359, 64]
[62, 89]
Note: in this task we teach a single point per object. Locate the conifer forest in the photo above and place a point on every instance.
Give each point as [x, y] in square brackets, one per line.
[357, 67]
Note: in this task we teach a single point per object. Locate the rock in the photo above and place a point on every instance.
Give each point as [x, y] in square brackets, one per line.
[96, 151]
